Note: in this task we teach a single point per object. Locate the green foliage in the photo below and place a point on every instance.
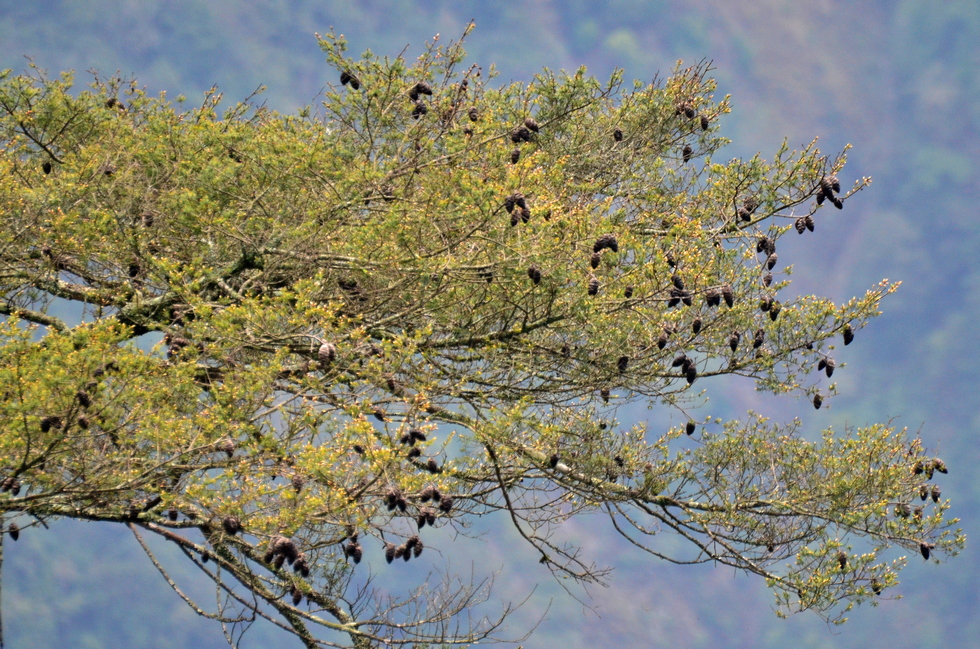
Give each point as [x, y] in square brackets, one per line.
[328, 282]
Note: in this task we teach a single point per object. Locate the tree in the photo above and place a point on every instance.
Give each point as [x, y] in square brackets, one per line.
[419, 305]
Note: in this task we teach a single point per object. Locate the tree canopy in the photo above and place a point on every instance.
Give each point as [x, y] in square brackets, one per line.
[421, 303]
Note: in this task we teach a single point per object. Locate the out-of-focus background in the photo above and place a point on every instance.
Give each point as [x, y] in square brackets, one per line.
[899, 79]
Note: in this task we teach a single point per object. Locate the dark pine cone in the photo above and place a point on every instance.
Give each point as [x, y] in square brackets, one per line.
[687, 152]
[515, 156]
[447, 504]
[390, 552]
[593, 286]
[474, 114]
[767, 280]
[817, 401]
[432, 466]
[46, 167]
[808, 220]
[532, 124]
[696, 326]
[800, 225]
[662, 341]
[690, 428]
[622, 363]
[848, 334]
[419, 110]
[618, 135]
[604, 393]
[760, 337]
[712, 297]
[595, 259]
[628, 293]
[704, 122]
